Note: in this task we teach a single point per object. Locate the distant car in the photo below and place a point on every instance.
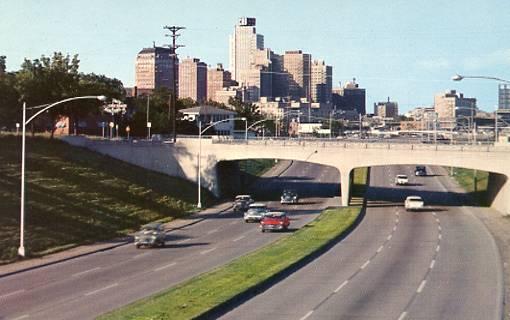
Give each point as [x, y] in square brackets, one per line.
[401, 180]
[256, 212]
[289, 197]
[151, 235]
[274, 220]
[420, 171]
[414, 203]
[242, 202]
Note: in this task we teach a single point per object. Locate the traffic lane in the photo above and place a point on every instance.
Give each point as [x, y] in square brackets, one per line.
[111, 293]
[201, 257]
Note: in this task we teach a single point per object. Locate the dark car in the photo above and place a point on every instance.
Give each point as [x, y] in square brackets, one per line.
[274, 221]
[289, 197]
[242, 202]
[420, 171]
[151, 235]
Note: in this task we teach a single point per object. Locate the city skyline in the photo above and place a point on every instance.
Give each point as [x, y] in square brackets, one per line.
[391, 49]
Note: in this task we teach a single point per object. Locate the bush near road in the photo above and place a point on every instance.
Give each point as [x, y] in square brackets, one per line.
[75, 196]
[475, 183]
[204, 292]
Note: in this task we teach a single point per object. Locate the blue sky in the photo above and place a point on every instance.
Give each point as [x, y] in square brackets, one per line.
[407, 50]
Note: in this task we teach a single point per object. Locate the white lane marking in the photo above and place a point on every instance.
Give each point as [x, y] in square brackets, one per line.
[432, 264]
[394, 228]
[396, 220]
[380, 249]
[101, 289]
[397, 213]
[439, 228]
[437, 220]
[12, 293]
[439, 236]
[86, 271]
[433, 213]
[238, 238]
[21, 317]
[307, 315]
[365, 264]
[141, 255]
[233, 222]
[341, 286]
[437, 248]
[183, 241]
[389, 237]
[402, 316]
[166, 266]
[212, 231]
[208, 250]
[422, 285]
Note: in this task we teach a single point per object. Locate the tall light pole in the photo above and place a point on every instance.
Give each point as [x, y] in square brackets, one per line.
[21, 249]
[200, 132]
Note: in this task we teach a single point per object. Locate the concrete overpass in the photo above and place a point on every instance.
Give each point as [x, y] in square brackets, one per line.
[181, 159]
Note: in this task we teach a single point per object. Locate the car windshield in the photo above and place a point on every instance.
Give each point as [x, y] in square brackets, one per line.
[402, 177]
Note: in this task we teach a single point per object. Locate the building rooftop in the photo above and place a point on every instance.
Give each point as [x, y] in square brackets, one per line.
[155, 50]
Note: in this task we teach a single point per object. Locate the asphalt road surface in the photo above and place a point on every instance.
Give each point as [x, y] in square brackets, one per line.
[86, 287]
[440, 263]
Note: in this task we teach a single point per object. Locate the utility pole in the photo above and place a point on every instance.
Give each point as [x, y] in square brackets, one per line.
[173, 48]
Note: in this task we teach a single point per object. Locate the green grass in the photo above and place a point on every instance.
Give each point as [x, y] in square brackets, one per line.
[200, 294]
[75, 196]
[466, 179]
[256, 167]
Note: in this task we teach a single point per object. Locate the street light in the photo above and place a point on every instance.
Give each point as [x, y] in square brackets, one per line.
[21, 249]
[255, 123]
[459, 77]
[200, 132]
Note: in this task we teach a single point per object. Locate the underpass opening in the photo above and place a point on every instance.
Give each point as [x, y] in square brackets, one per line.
[266, 179]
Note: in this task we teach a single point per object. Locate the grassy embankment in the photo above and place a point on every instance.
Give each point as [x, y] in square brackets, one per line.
[475, 183]
[199, 294]
[75, 196]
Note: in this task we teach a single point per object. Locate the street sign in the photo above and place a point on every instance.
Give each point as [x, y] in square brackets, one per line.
[149, 124]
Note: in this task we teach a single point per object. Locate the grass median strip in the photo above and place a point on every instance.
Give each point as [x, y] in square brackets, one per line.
[201, 293]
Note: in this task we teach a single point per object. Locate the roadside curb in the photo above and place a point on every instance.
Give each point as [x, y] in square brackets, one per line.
[242, 297]
[119, 243]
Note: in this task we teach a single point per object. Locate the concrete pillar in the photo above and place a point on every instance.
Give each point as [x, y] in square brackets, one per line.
[345, 185]
[499, 193]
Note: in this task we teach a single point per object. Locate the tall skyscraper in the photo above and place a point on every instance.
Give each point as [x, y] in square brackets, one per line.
[244, 43]
[280, 77]
[259, 77]
[321, 81]
[193, 79]
[504, 97]
[451, 105]
[217, 79]
[297, 65]
[154, 69]
[388, 109]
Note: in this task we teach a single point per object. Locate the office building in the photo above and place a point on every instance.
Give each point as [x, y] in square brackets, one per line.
[154, 69]
[297, 64]
[388, 109]
[193, 79]
[450, 105]
[504, 97]
[350, 97]
[280, 77]
[321, 81]
[217, 79]
[244, 43]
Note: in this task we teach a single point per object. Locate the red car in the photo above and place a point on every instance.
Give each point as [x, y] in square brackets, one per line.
[274, 221]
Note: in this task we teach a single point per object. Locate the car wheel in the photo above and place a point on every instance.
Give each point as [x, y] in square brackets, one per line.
[138, 246]
[263, 230]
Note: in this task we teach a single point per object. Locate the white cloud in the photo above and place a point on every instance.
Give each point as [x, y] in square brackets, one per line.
[496, 58]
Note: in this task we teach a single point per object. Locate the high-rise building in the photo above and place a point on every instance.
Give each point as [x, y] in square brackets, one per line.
[297, 65]
[350, 97]
[450, 105]
[244, 43]
[193, 79]
[504, 97]
[321, 81]
[280, 77]
[154, 69]
[388, 109]
[258, 78]
[217, 79]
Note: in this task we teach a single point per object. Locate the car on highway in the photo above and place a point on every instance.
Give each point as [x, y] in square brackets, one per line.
[242, 202]
[274, 220]
[420, 171]
[289, 197]
[401, 180]
[151, 235]
[414, 203]
[255, 212]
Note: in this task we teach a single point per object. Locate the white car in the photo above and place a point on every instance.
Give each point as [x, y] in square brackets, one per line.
[401, 180]
[255, 212]
[414, 203]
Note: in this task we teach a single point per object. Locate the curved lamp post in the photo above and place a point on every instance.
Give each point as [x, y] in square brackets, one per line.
[44, 107]
[459, 77]
[200, 132]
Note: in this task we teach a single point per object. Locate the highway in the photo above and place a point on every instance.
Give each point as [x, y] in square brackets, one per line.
[440, 263]
[86, 287]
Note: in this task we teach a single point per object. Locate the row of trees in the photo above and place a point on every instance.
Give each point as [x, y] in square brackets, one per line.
[50, 79]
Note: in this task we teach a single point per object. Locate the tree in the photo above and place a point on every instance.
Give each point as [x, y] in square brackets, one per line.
[3, 65]
[10, 111]
[246, 109]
